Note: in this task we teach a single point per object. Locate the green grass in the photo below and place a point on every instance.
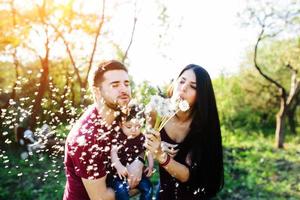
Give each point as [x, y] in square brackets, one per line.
[38, 177]
[254, 169]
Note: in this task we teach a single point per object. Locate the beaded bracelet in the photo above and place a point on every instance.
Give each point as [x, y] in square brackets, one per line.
[165, 163]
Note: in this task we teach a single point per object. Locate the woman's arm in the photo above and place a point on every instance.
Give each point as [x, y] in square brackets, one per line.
[177, 170]
[174, 168]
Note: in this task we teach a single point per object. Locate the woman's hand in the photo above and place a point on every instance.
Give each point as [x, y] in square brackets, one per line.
[153, 143]
[169, 148]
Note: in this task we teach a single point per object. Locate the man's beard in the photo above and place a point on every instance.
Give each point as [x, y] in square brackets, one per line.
[115, 106]
[112, 105]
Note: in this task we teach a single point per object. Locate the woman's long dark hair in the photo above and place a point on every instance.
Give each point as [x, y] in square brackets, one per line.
[207, 174]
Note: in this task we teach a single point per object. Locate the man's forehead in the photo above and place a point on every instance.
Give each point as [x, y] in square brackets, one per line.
[115, 75]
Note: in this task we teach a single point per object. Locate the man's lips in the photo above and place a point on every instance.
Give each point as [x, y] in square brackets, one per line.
[124, 97]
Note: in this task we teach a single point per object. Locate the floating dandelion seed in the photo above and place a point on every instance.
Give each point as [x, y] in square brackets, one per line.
[7, 141]
[12, 102]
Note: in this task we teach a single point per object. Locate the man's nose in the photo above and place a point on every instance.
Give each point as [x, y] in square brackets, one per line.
[124, 88]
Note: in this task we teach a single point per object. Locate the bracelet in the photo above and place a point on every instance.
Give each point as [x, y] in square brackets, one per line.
[141, 159]
[166, 162]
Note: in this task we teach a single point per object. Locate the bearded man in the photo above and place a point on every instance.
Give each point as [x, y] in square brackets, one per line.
[88, 143]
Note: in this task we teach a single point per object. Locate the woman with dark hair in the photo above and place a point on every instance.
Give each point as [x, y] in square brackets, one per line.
[194, 169]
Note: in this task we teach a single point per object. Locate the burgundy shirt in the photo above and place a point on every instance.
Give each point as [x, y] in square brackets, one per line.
[86, 153]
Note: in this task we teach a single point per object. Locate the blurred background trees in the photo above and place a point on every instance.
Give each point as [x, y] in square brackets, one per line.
[47, 48]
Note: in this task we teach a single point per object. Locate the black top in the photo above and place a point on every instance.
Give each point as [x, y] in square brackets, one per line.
[129, 149]
[170, 187]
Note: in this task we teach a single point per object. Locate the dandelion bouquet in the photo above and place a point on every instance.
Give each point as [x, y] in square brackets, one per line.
[165, 109]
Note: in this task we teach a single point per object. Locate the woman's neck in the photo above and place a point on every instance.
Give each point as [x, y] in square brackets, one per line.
[183, 116]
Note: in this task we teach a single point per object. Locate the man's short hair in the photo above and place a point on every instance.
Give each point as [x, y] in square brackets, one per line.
[96, 73]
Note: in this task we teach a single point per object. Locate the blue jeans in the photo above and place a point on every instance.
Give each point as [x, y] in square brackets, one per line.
[157, 191]
[121, 188]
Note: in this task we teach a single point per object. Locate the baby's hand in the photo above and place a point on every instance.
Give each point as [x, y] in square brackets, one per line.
[122, 171]
[149, 171]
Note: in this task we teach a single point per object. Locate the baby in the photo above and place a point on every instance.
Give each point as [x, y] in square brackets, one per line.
[127, 147]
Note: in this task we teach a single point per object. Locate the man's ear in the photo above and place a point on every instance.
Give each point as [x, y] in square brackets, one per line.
[96, 93]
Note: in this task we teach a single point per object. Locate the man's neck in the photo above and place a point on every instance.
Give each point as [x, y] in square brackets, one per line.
[106, 113]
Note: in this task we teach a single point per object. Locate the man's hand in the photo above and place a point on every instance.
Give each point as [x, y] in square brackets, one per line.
[135, 170]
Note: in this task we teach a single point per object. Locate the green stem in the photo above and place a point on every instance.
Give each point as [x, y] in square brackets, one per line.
[157, 122]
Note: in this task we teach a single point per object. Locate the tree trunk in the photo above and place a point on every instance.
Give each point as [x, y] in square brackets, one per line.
[280, 124]
[291, 114]
[291, 120]
[44, 82]
[64, 115]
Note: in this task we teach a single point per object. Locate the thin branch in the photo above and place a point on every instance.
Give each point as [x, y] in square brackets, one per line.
[132, 35]
[256, 65]
[69, 53]
[294, 70]
[101, 22]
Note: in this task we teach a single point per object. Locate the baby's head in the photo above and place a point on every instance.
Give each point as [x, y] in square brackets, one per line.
[132, 123]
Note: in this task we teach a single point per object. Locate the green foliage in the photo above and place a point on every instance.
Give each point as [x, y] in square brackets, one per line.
[247, 99]
[275, 55]
[236, 105]
[39, 177]
[254, 169]
[143, 92]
